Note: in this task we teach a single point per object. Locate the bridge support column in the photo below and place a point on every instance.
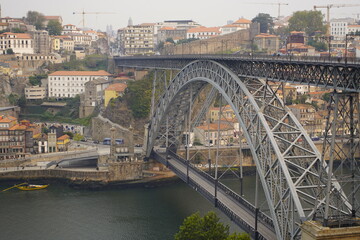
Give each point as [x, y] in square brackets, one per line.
[256, 206]
[313, 230]
[215, 194]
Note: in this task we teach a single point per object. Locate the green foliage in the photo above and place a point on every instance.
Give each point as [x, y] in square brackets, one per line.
[138, 97]
[14, 99]
[54, 28]
[35, 80]
[160, 46]
[9, 51]
[301, 99]
[181, 41]
[307, 21]
[266, 22]
[35, 18]
[170, 40]
[319, 46]
[78, 137]
[70, 134]
[130, 74]
[326, 97]
[90, 63]
[17, 30]
[208, 227]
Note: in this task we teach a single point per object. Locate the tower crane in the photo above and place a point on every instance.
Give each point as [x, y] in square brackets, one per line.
[278, 3]
[328, 7]
[83, 14]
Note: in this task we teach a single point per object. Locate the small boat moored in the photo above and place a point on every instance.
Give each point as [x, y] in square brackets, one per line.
[31, 187]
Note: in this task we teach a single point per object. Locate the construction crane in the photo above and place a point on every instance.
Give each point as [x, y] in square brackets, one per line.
[279, 5]
[83, 15]
[328, 7]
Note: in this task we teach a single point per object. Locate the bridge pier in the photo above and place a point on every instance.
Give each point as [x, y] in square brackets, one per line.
[313, 230]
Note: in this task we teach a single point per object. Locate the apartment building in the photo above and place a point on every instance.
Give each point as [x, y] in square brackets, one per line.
[136, 39]
[209, 133]
[66, 84]
[20, 43]
[16, 139]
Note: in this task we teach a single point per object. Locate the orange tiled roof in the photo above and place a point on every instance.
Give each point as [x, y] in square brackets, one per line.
[356, 26]
[17, 127]
[80, 73]
[242, 21]
[265, 35]
[63, 137]
[19, 35]
[167, 28]
[117, 87]
[204, 29]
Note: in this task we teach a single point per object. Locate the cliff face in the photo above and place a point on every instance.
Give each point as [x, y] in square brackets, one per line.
[5, 90]
[118, 112]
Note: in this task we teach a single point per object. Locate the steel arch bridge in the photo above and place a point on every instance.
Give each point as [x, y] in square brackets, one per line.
[288, 164]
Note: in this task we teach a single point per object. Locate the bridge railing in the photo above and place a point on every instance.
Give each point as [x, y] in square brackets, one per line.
[288, 58]
[226, 190]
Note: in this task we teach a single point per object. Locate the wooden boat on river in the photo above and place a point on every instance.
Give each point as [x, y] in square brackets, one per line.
[31, 187]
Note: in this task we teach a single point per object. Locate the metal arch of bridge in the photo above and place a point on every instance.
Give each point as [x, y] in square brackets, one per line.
[288, 163]
[298, 70]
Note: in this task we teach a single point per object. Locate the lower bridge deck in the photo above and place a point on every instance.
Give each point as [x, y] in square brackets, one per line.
[233, 205]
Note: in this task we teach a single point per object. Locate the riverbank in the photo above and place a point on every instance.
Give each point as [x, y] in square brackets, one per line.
[151, 179]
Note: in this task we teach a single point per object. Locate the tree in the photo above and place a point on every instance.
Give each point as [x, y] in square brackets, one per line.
[307, 21]
[35, 80]
[266, 22]
[17, 30]
[78, 137]
[9, 51]
[319, 46]
[54, 28]
[35, 18]
[208, 227]
[170, 40]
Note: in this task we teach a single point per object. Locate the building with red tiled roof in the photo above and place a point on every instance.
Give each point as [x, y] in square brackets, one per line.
[67, 84]
[113, 91]
[203, 32]
[20, 43]
[240, 24]
[63, 142]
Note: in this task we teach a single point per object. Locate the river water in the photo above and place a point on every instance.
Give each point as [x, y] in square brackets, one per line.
[61, 212]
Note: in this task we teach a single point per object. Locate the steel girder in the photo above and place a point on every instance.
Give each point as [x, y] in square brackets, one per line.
[330, 75]
[288, 163]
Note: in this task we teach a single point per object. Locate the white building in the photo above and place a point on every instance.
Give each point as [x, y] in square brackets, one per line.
[240, 24]
[301, 89]
[203, 32]
[70, 29]
[353, 28]
[93, 34]
[20, 43]
[137, 39]
[340, 27]
[35, 92]
[67, 84]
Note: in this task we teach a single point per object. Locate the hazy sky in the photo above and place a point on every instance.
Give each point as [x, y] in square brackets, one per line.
[206, 12]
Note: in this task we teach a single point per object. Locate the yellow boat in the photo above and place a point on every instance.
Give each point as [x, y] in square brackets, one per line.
[31, 187]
